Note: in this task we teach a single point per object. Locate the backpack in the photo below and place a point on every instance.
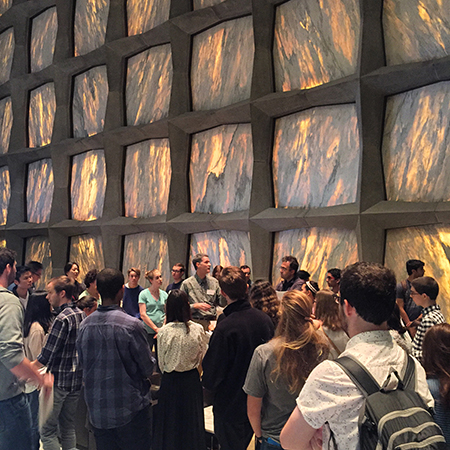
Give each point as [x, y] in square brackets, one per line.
[392, 419]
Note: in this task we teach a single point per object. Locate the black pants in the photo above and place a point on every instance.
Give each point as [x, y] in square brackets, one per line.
[232, 436]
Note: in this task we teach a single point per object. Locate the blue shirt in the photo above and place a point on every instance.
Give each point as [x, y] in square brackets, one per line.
[131, 300]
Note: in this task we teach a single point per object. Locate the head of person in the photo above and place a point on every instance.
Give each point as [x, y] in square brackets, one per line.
[110, 285]
[304, 275]
[310, 288]
[202, 264]
[217, 271]
[7, 266]
[327, 309]
[178, 308]
[60, 290]
[333, 279]
[424, 290]
[154, 278]
[90, 281]
[72, 270]
[415, 267]
[263, 296]
[38, 310]
[36, 270]
[88, 304]
[246, 271]
[233, 284]
[24, 278]
[133, 277]
[178, 272]
[288, 268]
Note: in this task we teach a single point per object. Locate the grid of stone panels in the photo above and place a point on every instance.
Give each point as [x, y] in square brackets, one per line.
[368, 217]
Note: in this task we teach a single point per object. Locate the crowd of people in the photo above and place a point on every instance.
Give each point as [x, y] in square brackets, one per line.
[268, 356]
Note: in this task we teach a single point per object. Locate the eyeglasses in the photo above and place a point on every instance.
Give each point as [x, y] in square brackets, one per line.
[337, 299]
[176, 271]
[413, 294]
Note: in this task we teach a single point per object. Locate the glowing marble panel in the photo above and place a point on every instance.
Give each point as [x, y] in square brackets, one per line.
[143, 15]
[38, 249]
[147, 251]
[416, 30]
[40, 191]
[6, 121]
[90, 96]
[222, 64]
[87, 251]
[43, 39]
[316, 157]
[91, 18]
[199, 4]
[7, 45]
[430, 244]
[5, 189]
[2, 243]
[5, 5]
[221, 169]
[41, 115]
[147, 178]
[149, 83]
[316, 41]
[88, 185]
[415, 144]
[317, 250]
[227, 248]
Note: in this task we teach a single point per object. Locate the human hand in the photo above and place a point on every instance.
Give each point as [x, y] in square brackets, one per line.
[47, 384]
[202, 306]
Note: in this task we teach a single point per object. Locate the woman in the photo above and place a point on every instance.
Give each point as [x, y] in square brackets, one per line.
[179, 419]
[72, 270]
[436, 361]
[88, 304]
[311, 288]
[217, 271]
[280, 367]
[264, 297]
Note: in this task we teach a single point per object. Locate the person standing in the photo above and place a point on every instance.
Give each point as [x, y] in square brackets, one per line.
[177, 274]
[23, 284]
[334, 279]
[290, 279]
[131, 293]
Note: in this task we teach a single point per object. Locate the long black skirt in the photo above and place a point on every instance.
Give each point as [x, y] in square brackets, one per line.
[179, 417]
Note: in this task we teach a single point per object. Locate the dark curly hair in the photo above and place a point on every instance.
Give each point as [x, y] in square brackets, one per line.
[264, 297]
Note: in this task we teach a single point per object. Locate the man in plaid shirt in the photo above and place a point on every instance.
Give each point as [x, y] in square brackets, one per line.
[60, 356]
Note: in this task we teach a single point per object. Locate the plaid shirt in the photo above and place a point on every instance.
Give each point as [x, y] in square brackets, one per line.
[59, 353]
[431, 316]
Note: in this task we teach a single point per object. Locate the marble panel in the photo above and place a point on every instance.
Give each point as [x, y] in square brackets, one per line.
[91, 18]
[430, 244]
[415, 145]
[316, 157]
[222, 64]
[147, 178]
[5, 189]
[316, 41]
[5, 5]
[37, 248]
[147, 251]
[221, 169]
[317, 250]
[88, 185]
[143, 15]
[416, 30]
[199, 4]
[87, 251]
[7, 45]
[2, 243]
[149, 83]
[90, 96]
[40, 191]
[227, 248]
[6, 121]
[43, 39]
[41, 115]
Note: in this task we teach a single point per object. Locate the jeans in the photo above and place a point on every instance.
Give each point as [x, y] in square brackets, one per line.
[269, 445]
[63, 414]
[15, 424]
[33, 399]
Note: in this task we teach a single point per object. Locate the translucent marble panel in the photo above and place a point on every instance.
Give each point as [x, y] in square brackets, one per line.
[87, 251]
[316, 157]
[5, 5]
[5, 189]
[90, 95]
[416, 30]
[43, 39]
[40, 191]
[41, 115]
[91, 18]
[221, 169]
[222, 64]
[6, 121]
[2, 243]
[147, 178]
[38, 249]
[147, 251]
[88, 185]
[149, 83]
[7, 45]
[227, 248]
[143, 15]
[316, 41]
[415, 144]
[199, 4]
[430, 244]
[317, 250]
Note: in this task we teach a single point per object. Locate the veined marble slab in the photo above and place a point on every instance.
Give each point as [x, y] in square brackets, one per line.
[5, 5]
[199, 4]
[5, 189]
[43, 39]
[40, 188]
[222, 64]
[37, 248]
[41, 115]
[221, 169]
[7, 45]
[6, 121]
[2, 243]
[143, 15]
[87, 251]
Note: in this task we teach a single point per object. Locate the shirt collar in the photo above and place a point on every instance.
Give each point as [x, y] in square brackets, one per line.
[382, 337]
[201, 282]
[66, 305]
[236, 306]
[107, 308]
[430, 308]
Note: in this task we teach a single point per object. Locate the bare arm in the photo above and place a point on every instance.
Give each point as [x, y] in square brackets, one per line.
[297, 434]
[254, 405]
[145, 318]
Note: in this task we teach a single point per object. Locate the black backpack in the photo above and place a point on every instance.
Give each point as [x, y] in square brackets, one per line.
[393, 419]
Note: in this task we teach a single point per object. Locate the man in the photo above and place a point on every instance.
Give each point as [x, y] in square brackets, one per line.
[247, 272]
[60, 356]
[15, 415]
[334, 279]
[240, 329]
[329, 396]
[131, 293]
[36, 271]
[117, 364]
[177, 275]
[289, 275]
[23, 284]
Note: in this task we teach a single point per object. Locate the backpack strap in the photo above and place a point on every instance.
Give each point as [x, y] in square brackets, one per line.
[409, 378]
